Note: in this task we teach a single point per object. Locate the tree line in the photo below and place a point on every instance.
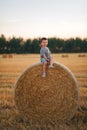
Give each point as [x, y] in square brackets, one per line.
[56, 45]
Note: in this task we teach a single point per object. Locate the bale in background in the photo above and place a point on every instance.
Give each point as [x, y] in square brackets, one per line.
[81, 55]
[4, 56]
[10, 56]
[65, 56]
[53, 98]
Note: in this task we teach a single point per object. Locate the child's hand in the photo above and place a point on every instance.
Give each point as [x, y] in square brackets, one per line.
[48, 60]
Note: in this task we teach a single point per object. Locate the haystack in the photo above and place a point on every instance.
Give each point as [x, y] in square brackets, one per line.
[53, 98]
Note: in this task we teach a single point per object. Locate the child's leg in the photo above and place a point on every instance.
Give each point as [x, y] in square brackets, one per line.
[51, 61]
[44, 67]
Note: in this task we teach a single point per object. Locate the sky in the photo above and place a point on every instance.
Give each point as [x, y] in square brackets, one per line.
[43, 18]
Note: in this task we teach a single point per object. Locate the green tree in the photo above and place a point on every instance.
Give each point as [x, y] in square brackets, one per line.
[56, 45]
[84, 46]
[15, 45]
[27, 46]
[35, 48]
[3, 44]
[69, 45]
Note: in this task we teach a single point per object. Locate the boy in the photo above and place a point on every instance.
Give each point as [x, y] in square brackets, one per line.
[45, 55]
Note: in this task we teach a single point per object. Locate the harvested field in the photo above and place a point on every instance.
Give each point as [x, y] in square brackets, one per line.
[10, 68]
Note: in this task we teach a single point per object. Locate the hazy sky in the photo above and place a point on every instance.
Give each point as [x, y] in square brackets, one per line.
[38, 18]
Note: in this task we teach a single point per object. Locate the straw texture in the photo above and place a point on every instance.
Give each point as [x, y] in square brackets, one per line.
[52, 98]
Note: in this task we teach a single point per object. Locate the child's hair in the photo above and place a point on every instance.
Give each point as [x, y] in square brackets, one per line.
[43, 38]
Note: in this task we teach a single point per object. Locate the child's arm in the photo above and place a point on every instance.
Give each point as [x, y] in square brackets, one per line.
[44, 56]
[50, 53]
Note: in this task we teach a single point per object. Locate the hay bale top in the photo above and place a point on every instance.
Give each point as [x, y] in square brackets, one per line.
[54, 97]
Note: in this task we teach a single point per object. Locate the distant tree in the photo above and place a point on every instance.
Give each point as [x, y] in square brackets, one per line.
[69, 45]
[52, 44]
[56, 45]
[15, 45]
[35, 48]
[3, 44]
[84, 46]
[27, 46]
[60, 45]
[77, 45]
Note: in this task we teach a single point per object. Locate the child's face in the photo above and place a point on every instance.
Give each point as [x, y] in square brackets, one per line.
[44, 42]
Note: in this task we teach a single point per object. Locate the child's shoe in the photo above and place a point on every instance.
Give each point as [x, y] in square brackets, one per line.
[51, 66]
[43, 74]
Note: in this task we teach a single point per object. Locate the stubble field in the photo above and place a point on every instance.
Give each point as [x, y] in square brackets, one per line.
[11, 67]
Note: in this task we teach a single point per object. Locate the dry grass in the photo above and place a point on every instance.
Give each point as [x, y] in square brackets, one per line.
[42, 98]
[10, 119]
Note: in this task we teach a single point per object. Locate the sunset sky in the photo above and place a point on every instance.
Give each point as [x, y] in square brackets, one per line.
[38, 18]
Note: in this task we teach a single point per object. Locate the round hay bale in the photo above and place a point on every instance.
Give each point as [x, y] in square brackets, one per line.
[10, 56]
[55, 97]
[4, 56]
[64, 56]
